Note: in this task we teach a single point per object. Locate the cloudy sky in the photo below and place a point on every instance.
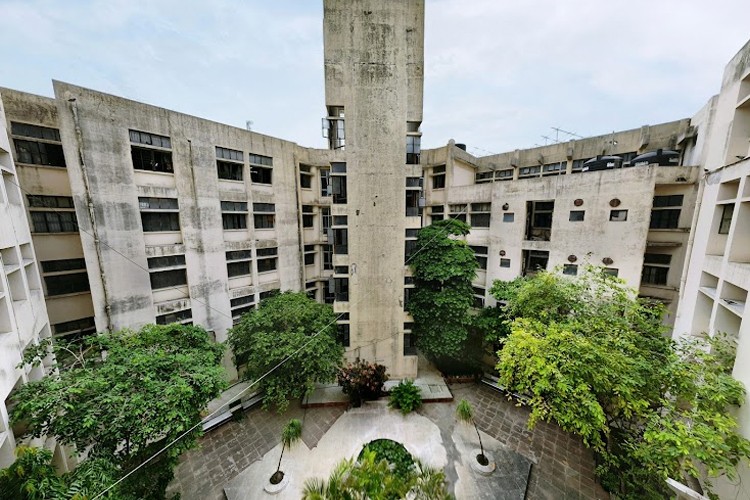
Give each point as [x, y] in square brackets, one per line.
[499, 74]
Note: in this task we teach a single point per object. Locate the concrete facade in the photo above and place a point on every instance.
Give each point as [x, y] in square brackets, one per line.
[717, 280]
[23, 316]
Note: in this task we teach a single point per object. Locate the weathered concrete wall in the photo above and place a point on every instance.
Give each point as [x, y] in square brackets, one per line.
[373, 61]
[23, 315]
[114, 187]
[46, 180]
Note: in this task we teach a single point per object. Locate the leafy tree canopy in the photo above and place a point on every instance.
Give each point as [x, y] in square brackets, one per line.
[148, 388]
[278, 330]
[444, 267]
[592, 357]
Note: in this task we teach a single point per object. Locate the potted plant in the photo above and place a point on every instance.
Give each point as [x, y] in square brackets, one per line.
[291, 434]
[465, 413]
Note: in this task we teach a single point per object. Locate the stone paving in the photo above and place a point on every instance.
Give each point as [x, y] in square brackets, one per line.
[563, 468]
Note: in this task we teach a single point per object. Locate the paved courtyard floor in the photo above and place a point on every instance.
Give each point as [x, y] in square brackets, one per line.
[563, 468]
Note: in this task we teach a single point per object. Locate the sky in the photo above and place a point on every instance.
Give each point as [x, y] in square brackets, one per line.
[498, 74]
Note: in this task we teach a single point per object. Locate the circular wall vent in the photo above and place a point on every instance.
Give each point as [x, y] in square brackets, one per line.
[614, 202]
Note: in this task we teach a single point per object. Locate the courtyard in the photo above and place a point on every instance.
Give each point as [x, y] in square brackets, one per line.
[234, 455]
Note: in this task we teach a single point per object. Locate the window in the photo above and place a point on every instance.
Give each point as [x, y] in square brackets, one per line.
[341, 289]
[509, 217]
[160, 221]
[534, 260]
[529, 171]
[147, 158]
[340, 220]
[269, 293]
[241, 305]
[59, 280]
[36, 152]
[504, 262]
[554, 168]
[39, 201]
[666, 218]
[611, 271]
[266, 259]
[340, 241]
[438, 177]
[726, 218]
[229, 171]
[183, 316]
[481, 177]
[412, 203]
[232, 169]
[410, 344]
[655, 268]
[327, 257]
[325, 219]
[618, 215]
[308, 217]
[413, 149]
[539, 220]
[309, 255]
[261, 169]
[410, 244]
[437, 212]
[480, 214]
[305, 177]
[166, 261]
[478, 297]
[241, 268]
[238, 263]
[504, 175]
[234, 215]
[76, 328]
[54, 222]
[168, 279]
[578, 164]
[480, 252]
[338, 189]
[577, 215]
[333, 127]
[570, 269]
[158, 203]
[325, 182]
[263, 215]
[458, 212]
[342, 334]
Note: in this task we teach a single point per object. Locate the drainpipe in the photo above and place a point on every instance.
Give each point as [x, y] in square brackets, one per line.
[90, 207]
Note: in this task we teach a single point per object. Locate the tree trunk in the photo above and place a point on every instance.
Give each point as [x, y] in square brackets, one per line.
[282, 455]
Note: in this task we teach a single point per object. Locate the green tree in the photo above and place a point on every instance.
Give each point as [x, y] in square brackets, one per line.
[592, 357]
[291, 433]
[375, 480]
[444, 267]
[148, 389]
[277, 331]
[32, 477]
[465, 413]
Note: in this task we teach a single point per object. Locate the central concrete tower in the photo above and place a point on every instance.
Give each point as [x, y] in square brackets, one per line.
[374, 80]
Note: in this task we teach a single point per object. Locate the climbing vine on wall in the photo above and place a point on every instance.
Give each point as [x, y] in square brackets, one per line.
[444, 267]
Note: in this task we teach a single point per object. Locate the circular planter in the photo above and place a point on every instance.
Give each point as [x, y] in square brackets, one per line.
[273, 489]
[484, 470]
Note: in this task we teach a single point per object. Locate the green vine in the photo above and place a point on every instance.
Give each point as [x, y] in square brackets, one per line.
[444, 267]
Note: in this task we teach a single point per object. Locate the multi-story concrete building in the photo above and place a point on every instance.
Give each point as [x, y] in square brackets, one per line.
[139, 214]
[23, 317]
[717, 280]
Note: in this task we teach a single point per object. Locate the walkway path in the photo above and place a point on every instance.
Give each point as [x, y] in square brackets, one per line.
[563, 467]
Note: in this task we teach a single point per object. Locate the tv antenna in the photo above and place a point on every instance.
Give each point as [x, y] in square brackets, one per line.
[249, 125]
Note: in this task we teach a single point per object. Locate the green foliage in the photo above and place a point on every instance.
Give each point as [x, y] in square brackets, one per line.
[405, 396]
[400, 460]
[277, 331]
[373, 479]
[465, 414]
[149, 388]
[593, 358]
[32, 477]
[444, 267]
[291, 433]
[362, 380]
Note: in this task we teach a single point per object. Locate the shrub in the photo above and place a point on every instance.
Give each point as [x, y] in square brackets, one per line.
[405, 396]
[362, 380]
[392, 452]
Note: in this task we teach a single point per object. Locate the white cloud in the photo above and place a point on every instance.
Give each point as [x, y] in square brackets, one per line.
[498, 74]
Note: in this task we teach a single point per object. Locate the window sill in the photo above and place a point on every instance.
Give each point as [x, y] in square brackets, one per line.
[235, 230]
[660, 287]
[54, 234]
[171, 174]
[161, 232]
[670, 230]
[233, 181]
[39, 165]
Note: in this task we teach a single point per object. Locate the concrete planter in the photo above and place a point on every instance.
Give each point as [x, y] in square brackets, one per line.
[484, 470]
